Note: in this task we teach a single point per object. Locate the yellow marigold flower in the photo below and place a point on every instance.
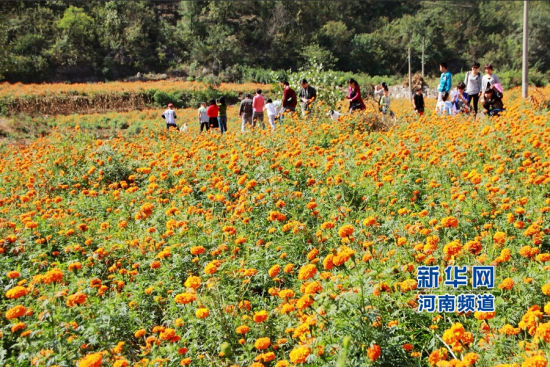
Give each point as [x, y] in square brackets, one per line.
[16, 292]
[307, 271]
[91, 360]
[299, 354]
[202, 313]
[499, 237]
[193, 282]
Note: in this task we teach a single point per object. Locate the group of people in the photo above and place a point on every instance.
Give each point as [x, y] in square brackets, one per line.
[466, 96]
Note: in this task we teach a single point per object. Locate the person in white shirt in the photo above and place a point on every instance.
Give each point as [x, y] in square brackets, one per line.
[272, 113]
[490, 80]
[170, 116]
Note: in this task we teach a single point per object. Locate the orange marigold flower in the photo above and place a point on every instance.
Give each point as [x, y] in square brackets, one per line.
[76, 299]
[243, 329]
[543, 332]
[346, 230]
[18, 326]
[139, 333]
[374, 352]
[546, 289]
[13, 274]
[262, 343]
[54, 275]
[260, 316]
[449, 222]
[369, 221]
[17, 292]
[169, 334]
[327, 225]
[274, 270]
[197, 250]
[507, 284]
[15, 312]
[185, 298]
[328, 263]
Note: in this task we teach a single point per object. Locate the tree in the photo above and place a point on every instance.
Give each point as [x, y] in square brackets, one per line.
[74, 48]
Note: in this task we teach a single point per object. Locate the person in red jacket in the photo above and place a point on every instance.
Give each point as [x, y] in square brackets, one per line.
[354, 96]
[289, 98]
[212, 113]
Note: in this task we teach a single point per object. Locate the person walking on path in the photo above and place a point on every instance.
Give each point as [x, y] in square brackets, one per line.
[170, 117]
[222, 115]
[445, 81]
[354, 96]
[271, 110]
[203, 117]
[289, 98]
[385, 103]
[473, 86]
[258, 103]
[212, 112]
[307, 96]
[246, 111]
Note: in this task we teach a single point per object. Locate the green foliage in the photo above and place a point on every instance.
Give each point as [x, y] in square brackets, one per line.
[96, 39]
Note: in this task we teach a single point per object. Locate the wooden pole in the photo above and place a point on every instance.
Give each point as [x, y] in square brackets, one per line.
[410, 76]
[525, 74]
[423, 39]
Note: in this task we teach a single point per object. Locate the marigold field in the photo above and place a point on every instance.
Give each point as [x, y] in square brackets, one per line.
[140, 247]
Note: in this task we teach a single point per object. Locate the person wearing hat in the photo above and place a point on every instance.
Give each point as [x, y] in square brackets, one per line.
[170, 117]
[472, 80]
[307, 96]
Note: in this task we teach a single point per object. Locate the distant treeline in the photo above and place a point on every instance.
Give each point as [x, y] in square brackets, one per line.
[82, 40]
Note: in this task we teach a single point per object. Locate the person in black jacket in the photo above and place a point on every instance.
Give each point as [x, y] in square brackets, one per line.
[245, 111]
[307, 97]
[418, 102]
[492, 104]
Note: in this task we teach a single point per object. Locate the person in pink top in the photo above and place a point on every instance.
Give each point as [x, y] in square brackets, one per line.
[258, 103]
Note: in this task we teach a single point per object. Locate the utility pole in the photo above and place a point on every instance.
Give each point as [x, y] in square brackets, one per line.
[410, 76]
[525, 76]
[423, 39]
